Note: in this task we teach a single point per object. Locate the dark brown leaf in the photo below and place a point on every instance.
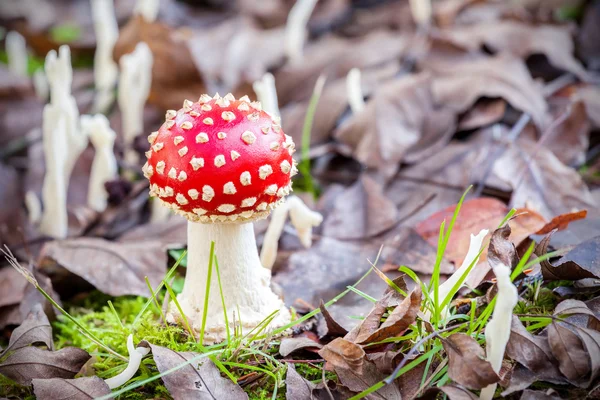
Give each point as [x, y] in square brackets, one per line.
[333, 328]
[12, 286]
[359, 379]
[484, 112]
[72, 389]
[290, 345]
[344, 354]
[562, 221]
[29, 363]
[580, 263]
[569, 136]
[399, 319]
[501, 250]
[360, 212]
[35, 329]
[452, 391]
[573, 361]
[200, 379]
[370, 323]
[297, 387]
[466, 362]
[114, 268]
[578, 308]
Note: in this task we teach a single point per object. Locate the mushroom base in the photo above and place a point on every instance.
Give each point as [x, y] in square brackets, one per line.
[245, 283]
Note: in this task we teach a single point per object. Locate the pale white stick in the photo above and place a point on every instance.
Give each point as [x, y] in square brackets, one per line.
[354, 91]
[158, 212]
[63, 142]
[104, 166]
[295, 29]
[134, 88]
[421, 11]
[148, 9]
[301, 217]
[40, 84]
[497, 331]
[16, 50]
[34, 207]
[105, 68]
[267, 94]
[135, 359]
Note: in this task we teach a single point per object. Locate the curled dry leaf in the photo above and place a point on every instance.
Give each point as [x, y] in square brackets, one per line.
[569, 136]
[198, 380]
[452, 391]
[562, 221]
[333, 328]
[402, 121]
[28, 363]
[290, 345]
[484, 112]
[12, 287]
[370, 323]
[581, 262]
[72, 389]
[568, 349]
[466, 362]
[399, 319]
[361, 211]
[35, 329]
[580, 309]
[363, 378]
[539, 395]
[342, 353]
[297, 387]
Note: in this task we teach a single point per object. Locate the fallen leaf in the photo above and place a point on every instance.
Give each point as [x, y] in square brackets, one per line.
[578, 308]
[581, 262]
[333, 328]
[114, 268]
[386, 361]
[72, 389]
[520, 39]
[399, 319]
[29, 363]
[561, 222]
[360, 212]
[484, 112]
[198, 380]
[501, 250]
[12, 286]
[573, 361]
[458, 84]
[290, 345]
[466, 362]
[296, 386]
[370, 323]
[401, 120]
[569, 136]
[540, 181]
[35, 329]
[452, 391]
[362, 378]
[342, 353]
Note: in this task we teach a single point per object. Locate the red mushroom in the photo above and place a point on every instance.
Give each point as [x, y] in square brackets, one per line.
[222, 163]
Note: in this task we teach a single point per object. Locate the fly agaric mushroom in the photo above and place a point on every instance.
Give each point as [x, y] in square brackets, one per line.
[222, 163]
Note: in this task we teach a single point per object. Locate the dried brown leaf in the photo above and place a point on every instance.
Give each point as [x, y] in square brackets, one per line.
[466, 362]
[28, 363]
[35, 329]
[370, 324]
[573, 361]
[197, 380]
[399, 319]
[72, 389]
[362, 378]
[296, 386]
[344, 354]
[333, 328]
[562, 221]
[290, 345]
[484, 112]
[452, 391]
[581, 262]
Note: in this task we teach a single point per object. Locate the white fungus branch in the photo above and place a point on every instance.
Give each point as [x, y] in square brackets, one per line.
[135, 359]
[104, 166]
[497, 331]
[301, 217]
[40, 84]
[267, 94]
[354, 91]
[421, 11]
[16, 50]
[295, 28]
[34, 207]
[148, 9]
[63, 142]
[105, 68]
[134, 88]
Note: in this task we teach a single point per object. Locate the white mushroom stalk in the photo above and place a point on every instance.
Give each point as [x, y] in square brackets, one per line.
[421, 12]
[104, 166]
[302, 218]
[34, 207]
[354, 91]
[148, 9]
[134, 88]
[40, 84]
[267, 94]
[462, 272]
[62, 140]
[295, 29]
[497, 331]
[16, 50]
[105, 68]
[135, 359]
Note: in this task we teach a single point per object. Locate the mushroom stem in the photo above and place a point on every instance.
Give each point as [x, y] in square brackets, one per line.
[148, 9]
[295, 29]
[245, 283]
[134, 88]
[354, 91]
[135, 359]
[105, 68]
[34, 207]
[104, 166]
[16, 50]
[421, 11]
[40, 84]
[267, 94]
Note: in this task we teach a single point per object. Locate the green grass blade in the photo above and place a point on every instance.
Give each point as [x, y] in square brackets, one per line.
[176, 302]
[207, 290]
[222, 299]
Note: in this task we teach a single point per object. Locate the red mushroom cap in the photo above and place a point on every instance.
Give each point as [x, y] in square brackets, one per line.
[220, 160]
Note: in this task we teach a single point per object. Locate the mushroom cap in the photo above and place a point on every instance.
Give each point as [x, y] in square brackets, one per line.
[220, 160]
